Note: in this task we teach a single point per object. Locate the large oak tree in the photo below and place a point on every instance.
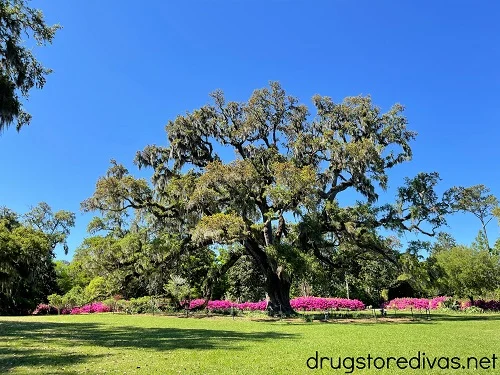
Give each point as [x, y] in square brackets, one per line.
[279, 198]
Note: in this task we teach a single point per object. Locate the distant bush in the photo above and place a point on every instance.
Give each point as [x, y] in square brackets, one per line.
[416, 303]
[447, 303]
[301, 303]
[319, 303]
[44, 309]
[142, 305]
[491, 305]
[97, 307]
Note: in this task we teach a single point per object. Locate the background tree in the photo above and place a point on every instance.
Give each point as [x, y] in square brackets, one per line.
[244, 282]
[444, 241]
[287, 164]
[20, 71]
[360, 274]
[27, 242]
[468, 272]
[56, 226]
[420, 272]
[64, 280]
[134, 260]
[180, 289]
[476, 200]
[27, 273]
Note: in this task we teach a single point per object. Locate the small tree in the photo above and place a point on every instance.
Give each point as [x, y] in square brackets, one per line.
[57, 301]
[96, 289]
[180, 289]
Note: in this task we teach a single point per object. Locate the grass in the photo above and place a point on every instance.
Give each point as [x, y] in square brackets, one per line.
[144, 344]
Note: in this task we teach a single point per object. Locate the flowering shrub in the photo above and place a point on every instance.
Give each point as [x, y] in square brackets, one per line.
[252, 306]
[44, 309]
[196, 303]
[416, 303]
[97, 307]
[319, 303]
[437, 302]
[301, 303]
[220, 305]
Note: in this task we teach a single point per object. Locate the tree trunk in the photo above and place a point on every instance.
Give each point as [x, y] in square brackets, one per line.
[277, 281]
[278, 290]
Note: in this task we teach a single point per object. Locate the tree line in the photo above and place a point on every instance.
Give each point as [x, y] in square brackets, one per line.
[271, 219]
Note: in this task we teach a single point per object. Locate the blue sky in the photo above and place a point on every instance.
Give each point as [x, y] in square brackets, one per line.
[122, 69]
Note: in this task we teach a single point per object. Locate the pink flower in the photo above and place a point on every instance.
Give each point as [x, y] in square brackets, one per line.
[319, 303]
[415, 303]
[97, 307]
[196, 303]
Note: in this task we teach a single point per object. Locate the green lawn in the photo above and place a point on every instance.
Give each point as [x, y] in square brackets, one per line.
[141, 344]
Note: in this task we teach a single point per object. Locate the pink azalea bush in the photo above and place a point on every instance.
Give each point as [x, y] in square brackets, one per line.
[97, 307]
[437, 302]
[252, 306]
[44, 309]
[196, 303]
[415, 303]
[300, 303]
[220, 305]
[320, 303]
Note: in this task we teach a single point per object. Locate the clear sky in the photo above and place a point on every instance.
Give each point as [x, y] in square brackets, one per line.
[122, 69]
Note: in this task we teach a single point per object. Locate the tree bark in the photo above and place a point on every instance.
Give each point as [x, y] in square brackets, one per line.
[278, 283]
[278, 289]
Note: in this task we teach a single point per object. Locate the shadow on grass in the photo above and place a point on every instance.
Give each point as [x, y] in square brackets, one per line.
[35, 338]
[11, 358]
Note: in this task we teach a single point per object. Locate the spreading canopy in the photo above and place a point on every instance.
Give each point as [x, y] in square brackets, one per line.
[279, 197]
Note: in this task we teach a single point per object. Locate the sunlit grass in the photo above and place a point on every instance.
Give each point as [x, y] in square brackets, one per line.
[143, 344]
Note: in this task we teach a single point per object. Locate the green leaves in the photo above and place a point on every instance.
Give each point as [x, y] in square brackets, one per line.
[56, 225]
[476, 200]
[358, 143]
[292, 186]
[469, 272]
[220, 228]
[180, 289]
[26, 270]
[20, 71]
